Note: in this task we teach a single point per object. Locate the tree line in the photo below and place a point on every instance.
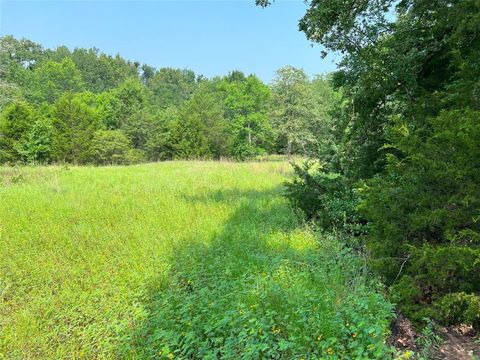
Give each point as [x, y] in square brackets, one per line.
[83, 106]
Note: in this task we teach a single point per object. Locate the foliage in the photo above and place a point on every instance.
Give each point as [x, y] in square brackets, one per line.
[326, 197]
[292, 113]
[407, 138]
[165, 113]
[430, 193]
[460, 307]
[171, 87]
[112, 147]
[246, 105]
[75, 124]
[36, 147]
[51, 79]
[15, 123]
[199, 131]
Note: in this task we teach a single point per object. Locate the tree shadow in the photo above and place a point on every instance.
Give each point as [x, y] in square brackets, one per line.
[223, 296]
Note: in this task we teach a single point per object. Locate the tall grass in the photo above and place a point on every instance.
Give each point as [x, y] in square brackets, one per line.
[174, 260]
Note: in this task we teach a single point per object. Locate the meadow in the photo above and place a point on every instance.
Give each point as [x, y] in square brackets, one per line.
[184, 260]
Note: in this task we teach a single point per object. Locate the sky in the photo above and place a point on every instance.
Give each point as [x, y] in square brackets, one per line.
[209, 37]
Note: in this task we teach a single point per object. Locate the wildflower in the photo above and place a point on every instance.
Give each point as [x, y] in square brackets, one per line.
[170, 356]
[319, 337]
[354, 335]
[276, 330]
[330, 351]
[407, 354]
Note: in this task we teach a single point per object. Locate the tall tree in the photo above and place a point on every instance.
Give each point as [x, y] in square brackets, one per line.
[171, 86]
[246, 105]
[51, 79]
[291, 110]
[75, 124]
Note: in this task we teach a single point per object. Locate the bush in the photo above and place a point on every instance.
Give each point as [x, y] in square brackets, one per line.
[327, 198]
[112, 147]
[459, 308]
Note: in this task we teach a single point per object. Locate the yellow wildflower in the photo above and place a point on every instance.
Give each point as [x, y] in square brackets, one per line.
[407, 354]
[170, 356]
[319, 337]
[330, 351]
[354, 335]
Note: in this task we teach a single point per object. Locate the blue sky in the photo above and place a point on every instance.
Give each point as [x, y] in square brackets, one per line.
[209, 37]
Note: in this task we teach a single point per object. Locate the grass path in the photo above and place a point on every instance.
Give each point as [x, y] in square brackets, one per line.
[174, 260]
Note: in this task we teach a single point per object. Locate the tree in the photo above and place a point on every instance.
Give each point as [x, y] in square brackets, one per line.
[246, 105]
[199, 132]
[15, 122]
[99, 71]
[126, 101]
[37, 145]
[51, 79]
[408, 128]
[160, 144]
[425, 210]
[17, 57]
[75, 124]
[291, 110]
[171, 87]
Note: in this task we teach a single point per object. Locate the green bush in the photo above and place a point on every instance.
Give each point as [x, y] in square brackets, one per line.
[459, 307]
[112, 147]
[327, 198]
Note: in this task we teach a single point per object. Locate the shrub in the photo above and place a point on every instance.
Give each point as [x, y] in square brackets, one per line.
[112, 147]
[459, 307]
[328, 198]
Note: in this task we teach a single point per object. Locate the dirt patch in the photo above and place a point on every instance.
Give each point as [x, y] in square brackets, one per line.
[455, 342]
[459, 342]
[404, 336]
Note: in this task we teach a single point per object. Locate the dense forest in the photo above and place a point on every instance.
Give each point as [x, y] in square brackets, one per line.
[83, 106]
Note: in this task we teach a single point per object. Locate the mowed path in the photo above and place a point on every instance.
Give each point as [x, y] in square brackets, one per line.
[169, 260]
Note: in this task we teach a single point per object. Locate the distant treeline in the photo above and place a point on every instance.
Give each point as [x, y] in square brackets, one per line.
[83, 106]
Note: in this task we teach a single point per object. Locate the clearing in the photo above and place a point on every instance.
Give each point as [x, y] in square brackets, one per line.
[184, 259]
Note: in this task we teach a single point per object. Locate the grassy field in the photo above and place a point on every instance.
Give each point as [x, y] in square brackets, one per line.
[174, 260]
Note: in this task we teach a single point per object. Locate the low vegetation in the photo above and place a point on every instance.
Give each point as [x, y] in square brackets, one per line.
[175, 260]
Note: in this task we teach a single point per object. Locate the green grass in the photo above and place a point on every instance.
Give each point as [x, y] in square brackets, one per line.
[174, 260]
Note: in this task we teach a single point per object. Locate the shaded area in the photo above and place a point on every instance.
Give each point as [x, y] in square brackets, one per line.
[259, 288]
